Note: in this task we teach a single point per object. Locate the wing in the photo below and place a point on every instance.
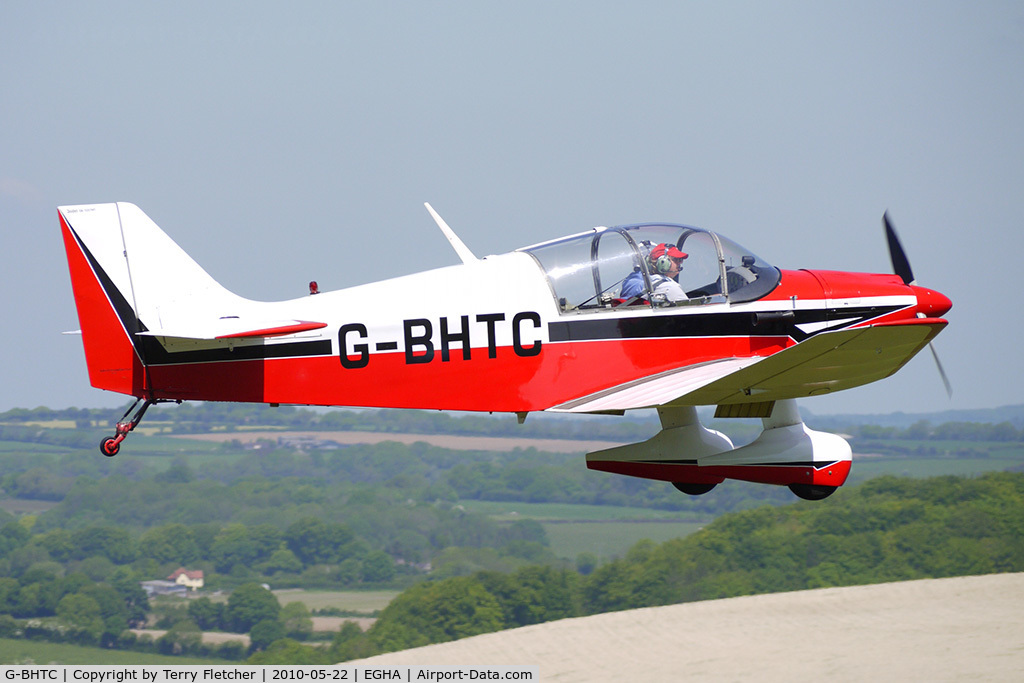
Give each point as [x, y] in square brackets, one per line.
[824, 363]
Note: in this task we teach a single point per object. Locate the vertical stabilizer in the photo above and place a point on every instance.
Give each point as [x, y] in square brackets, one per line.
[128, 276]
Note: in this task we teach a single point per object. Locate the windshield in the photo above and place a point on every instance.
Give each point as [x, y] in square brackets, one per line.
[653, 265]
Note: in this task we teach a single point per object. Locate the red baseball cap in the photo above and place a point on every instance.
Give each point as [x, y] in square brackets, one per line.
[665, 250]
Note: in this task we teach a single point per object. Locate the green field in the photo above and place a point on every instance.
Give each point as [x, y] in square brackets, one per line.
[29, 447]
[26, 506]
[544, 512]
[611, 539]
[364, 602]
[35, 652]
[868, 467]
[604, 530]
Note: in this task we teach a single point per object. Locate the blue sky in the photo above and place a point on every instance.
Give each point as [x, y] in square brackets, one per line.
[279, 144]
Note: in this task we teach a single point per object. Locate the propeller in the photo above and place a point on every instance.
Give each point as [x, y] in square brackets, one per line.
[901, 266]
[942, 371]
[900, 262]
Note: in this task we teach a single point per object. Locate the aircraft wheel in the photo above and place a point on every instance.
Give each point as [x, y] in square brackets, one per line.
[811, 491]
[693, 489]
[109, 446]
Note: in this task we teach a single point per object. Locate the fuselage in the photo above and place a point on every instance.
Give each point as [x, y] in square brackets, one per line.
[494, 335]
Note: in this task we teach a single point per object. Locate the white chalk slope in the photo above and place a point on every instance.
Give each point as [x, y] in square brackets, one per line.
[931, 630]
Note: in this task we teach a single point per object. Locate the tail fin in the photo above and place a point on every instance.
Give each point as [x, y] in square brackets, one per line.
[128, 276]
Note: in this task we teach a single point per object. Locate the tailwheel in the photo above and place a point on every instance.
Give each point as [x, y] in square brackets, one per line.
[812, 491]
[693, 489]
[109, 446]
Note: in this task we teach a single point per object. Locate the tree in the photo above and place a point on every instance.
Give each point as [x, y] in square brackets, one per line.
[435, 613]
[314, 541]
[282, 560]
[919, 430]
[169, 543]
[9, 589]
[97, 567]
[113, 610]
[82, 612]
[9, 626]
[178, 473]
[408, 545]
[12, 536]
[206, 613]
[57, 543]
[526, 530]
[586, 563]
[288, 651]
[181, 638]
[350, 642]
[264, 633]
[250, 604]
[533, 595]
[232, 546]
[135, 600]
[378, 567]
[114, 543]
[267, 540]
[296, 620]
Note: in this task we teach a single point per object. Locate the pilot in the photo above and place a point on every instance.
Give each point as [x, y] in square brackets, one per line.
[665, 262]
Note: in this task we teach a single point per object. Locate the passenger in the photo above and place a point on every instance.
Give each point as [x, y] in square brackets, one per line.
[633, 285]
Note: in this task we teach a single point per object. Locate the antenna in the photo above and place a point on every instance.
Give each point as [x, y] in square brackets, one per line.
[458, 245]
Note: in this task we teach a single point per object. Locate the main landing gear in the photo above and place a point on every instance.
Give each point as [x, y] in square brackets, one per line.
[110, 445]
[691, 489]
[812, 491]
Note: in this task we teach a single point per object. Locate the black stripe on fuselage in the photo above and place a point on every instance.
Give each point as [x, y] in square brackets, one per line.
[156, 354]
[709, 325]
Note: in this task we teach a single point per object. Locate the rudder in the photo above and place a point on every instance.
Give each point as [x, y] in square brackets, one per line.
[107, 320]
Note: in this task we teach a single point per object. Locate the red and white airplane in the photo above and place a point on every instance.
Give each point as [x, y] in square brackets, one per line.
[590, 323]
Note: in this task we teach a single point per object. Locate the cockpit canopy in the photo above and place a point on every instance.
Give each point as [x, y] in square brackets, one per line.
[588, 272]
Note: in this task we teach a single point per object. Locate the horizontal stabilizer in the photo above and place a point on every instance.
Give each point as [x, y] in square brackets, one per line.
[237, 328]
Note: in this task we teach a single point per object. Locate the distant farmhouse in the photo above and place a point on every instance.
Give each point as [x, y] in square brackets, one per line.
[186, 578]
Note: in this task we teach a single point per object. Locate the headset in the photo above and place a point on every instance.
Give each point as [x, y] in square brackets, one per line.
[664, 264]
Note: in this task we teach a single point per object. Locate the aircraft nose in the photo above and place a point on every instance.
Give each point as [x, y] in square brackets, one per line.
[931, 303]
